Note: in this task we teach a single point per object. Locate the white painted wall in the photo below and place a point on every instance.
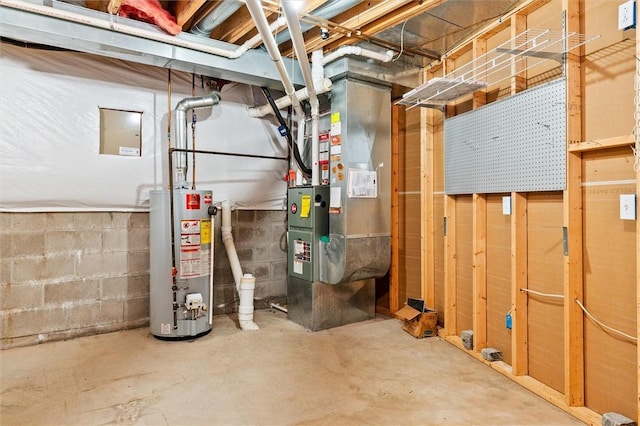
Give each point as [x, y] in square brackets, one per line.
[50, 136]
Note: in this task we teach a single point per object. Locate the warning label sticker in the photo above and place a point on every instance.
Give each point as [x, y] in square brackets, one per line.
[190, 226]
[205, 232]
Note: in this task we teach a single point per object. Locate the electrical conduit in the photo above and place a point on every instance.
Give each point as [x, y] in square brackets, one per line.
[245, 283]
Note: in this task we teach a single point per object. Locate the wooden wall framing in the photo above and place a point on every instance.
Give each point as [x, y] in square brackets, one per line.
[467, 246]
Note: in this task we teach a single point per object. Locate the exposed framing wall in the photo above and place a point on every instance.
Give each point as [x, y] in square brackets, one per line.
[553, 348]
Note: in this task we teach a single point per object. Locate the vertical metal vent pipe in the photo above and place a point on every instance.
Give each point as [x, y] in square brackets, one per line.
[181, 129]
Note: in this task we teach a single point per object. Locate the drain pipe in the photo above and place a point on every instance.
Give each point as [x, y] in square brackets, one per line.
[260, 20]
[181, 129]
[359, 51]
[245, 283]
[301, 52]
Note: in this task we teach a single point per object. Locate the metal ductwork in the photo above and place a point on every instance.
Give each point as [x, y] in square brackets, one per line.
[181, 129]
[326, 11]
[359, 245]
[216, 17]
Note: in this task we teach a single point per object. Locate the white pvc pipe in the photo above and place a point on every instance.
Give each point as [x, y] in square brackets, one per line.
[130, 30]
[356, 50]
[301, 52]
[245, 283]
[322, 85]
[260, 20]
[227, 240]
[245, 310]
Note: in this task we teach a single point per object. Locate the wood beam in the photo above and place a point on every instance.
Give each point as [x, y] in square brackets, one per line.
[493, 28]
[479, 52]
[637, 130]
[381, 22]
[397, 119]
[450, 270]
[184, 10]
[479, 277]
[519, 314]
[572, 200]
[519, 65]
[449, 66]
[427, 218]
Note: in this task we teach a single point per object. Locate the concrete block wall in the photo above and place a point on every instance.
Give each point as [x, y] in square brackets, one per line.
[65, 275]
[260, 240]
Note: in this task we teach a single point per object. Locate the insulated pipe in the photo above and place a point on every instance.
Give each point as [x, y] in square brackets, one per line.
[301, 52]
[245, 283]
[325, 85]
[181, 128]
[128, 29]
[356, 50]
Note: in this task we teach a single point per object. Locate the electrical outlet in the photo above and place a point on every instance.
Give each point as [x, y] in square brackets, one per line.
[628, 206]
[506, 205]
[627, 15]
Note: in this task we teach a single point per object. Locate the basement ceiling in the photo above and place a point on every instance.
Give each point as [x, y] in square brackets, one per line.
[417, 31]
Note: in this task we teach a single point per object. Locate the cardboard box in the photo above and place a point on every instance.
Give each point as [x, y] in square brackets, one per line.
[417, 320]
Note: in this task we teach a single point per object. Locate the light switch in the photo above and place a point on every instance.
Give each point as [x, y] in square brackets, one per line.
[628, 206]
[627, 15]
[506, 206]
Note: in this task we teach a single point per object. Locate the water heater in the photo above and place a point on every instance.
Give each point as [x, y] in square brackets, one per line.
[180, 283]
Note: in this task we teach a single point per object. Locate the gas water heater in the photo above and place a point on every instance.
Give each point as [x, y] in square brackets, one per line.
[180, 295]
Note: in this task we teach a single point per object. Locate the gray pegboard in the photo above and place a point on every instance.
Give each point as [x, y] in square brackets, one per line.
[514, 145]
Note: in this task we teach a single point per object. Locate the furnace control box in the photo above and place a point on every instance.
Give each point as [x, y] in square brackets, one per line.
[308, 219]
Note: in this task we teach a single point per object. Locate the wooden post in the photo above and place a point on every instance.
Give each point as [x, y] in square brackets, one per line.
[450, 273]
[479, 52]
[573, 272]
[394, 288]
[448, 66]
[479, 277]
[637, 224]
[427, 229]
[519, 254]
[518, 65]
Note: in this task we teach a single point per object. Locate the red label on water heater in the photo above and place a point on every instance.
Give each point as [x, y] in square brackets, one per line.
[207, 198]
[193, 201]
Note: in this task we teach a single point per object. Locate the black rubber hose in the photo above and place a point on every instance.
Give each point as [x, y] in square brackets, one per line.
[306, 171]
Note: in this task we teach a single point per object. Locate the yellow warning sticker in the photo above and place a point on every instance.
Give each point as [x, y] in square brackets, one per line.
[306, 206]
[205, 231]
[335, 117]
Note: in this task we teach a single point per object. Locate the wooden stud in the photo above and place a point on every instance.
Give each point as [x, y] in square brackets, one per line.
[449, 66]
[518, 65]
[394, 287]
[479, 277]
[427, 136]
[572, 200]
[519, 255]
[450, 272]
[638, 223]
[479, 52]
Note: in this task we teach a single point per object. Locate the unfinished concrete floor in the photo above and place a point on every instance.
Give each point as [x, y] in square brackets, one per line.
[366, 373]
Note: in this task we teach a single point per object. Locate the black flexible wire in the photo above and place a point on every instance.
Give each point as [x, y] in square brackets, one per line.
[306, 171]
